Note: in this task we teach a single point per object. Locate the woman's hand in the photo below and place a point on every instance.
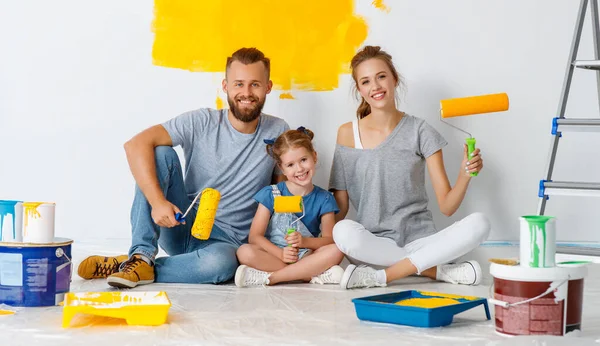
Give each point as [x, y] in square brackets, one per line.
[471, 164]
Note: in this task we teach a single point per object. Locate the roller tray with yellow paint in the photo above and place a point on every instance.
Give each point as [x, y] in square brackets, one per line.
[415, 308]
[136, 308]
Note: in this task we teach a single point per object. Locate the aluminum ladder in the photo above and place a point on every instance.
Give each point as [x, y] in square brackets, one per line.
[547, 186]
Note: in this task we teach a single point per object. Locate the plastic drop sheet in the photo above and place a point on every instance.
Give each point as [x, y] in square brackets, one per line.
[290, 314]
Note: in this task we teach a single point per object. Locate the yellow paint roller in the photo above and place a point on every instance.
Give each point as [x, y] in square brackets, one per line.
[459, 107]
[289, 204]
[205, 218]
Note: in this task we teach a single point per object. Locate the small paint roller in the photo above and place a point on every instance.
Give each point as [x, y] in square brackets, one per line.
[289, 204]
[205, 218]
[459, 107]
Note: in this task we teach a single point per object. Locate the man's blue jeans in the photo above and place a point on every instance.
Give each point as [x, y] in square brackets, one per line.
[190, 260]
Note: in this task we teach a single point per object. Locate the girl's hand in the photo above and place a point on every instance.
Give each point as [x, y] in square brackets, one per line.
[289, 254]
[295, 240]
[471, 164]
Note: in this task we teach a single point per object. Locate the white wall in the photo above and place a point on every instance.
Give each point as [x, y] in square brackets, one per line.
[76, 81]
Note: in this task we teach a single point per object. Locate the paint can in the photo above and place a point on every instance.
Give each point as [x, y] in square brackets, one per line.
[38, 222]
[538, 241]
[11, 221]
[537, 301]
[35, 274]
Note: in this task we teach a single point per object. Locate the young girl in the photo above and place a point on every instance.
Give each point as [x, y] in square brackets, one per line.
[272, 256]
[379, 166]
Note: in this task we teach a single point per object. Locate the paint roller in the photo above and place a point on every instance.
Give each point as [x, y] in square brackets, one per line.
[289, 204]
[205, 218]
[463, 106]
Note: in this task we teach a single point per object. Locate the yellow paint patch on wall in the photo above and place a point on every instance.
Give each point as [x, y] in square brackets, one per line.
[380, 5]
[310, 42]
[219, 101]
[287, 96]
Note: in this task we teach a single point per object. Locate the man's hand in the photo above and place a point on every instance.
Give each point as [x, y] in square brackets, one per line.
[163, 214]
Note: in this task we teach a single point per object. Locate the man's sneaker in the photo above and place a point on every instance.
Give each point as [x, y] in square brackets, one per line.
[135, 271]
[247, 276]
[465, 273]
[99, 267]
[332, 275]
[361, 276]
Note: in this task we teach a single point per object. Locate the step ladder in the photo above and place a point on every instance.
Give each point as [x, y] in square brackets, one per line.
[547, 186]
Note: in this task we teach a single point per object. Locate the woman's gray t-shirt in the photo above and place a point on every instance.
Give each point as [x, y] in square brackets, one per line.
[386, 184]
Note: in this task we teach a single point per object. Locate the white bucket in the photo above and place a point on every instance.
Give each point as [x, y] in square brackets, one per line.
[538, 241]
[11, 221]
[537, 301]
[38, 222]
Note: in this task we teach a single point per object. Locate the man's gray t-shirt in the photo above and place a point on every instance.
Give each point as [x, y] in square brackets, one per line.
[234, 163]
[386, 184]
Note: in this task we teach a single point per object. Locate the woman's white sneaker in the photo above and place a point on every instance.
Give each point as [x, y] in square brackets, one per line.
[465, 273]
[361, 276]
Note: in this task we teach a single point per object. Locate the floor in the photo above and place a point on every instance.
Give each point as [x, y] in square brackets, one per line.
[293, 314]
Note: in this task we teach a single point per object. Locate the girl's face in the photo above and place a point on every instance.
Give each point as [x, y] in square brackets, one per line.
[376, 84]
[298, 165]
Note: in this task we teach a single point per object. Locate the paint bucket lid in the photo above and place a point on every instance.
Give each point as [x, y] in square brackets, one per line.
[528, 274]
[57, 242]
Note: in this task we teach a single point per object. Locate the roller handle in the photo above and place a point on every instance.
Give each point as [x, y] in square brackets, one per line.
[470, 149]
[290, 231]
[179, 217]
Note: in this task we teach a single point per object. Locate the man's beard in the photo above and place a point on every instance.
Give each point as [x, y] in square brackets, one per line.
[246, 114]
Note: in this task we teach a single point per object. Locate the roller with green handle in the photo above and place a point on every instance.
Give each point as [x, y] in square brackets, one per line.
[289, 204]
[470, 149]
[472, 105]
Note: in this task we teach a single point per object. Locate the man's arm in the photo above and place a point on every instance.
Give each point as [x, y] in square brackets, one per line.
[141, 159]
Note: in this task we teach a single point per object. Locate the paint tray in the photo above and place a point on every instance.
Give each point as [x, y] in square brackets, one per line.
[137, 308]
[419, 309]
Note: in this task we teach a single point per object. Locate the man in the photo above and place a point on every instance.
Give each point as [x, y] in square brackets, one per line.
[224, 150]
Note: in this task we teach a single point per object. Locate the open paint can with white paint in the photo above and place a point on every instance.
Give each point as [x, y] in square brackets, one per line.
[537, 301]
[11, 221]
[537, 241]
[38, 222]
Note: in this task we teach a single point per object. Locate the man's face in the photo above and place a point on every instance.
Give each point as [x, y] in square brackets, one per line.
[247, 87]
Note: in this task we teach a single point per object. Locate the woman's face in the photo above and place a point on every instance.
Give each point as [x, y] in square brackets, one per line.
[375, 83]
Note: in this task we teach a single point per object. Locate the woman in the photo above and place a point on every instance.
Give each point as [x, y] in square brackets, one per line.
[379, 166]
